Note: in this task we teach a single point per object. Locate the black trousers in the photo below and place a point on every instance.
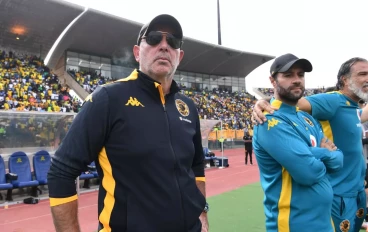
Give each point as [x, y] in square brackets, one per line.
[248, 152]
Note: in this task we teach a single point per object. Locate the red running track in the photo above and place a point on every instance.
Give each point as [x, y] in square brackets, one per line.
[37, 218]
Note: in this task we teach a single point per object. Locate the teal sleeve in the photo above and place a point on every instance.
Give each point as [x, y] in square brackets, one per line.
[333, 160]
[283, 143]
[324, 105]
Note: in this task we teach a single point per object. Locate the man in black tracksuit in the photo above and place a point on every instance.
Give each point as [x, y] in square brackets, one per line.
[145, 139]
[248, 147]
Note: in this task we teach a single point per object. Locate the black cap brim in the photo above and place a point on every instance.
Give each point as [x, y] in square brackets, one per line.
[304, 63]
[162, 20]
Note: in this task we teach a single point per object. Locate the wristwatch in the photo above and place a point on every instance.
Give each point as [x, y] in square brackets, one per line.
[206, 208]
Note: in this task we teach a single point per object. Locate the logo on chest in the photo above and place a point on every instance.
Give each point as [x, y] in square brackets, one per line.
[308, 121]
[134, 102]
[182, 107]
[313, 141]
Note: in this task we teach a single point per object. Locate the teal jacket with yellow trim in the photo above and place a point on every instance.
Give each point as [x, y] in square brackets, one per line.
[148, 152]
[340, 119]
[293, 167]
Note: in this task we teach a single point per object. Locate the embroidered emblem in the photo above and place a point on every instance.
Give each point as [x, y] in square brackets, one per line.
[182, 107]
[307, 120]
[345, 226]
[273, 122]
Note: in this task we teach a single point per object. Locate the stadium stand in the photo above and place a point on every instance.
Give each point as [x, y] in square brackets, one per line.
[89, 80]
[26, 84]
[308, 92]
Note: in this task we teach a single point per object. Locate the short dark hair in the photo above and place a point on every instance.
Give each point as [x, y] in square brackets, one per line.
[345, 70]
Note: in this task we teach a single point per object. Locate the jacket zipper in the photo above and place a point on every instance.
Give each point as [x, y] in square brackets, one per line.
[163, 101]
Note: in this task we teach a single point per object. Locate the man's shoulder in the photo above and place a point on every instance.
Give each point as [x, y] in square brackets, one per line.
[111, 90]
[329, 95]
[120, 86]
[274, 121]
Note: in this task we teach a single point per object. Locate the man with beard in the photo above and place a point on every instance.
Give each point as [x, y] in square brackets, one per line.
[294, 156]
[341, 118]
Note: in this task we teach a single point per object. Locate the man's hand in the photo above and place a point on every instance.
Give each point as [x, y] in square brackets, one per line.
[204, 221]
[325, 143]
[257, 114]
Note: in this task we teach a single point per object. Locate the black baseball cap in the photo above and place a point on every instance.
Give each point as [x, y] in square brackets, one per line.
[164, 20]
[285, 62]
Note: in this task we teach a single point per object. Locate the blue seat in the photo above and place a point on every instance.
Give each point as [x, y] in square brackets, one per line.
[95, 174]
[3, 183]
[41, 166]
[84, 176]
[19, 164]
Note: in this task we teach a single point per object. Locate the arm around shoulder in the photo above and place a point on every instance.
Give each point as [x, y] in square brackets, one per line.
[305, 105]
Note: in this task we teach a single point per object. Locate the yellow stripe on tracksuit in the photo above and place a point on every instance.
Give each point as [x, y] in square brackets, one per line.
[108, 183]
[284, 202]
[60, 201]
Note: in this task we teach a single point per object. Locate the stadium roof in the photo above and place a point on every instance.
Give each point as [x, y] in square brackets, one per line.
[39, 23]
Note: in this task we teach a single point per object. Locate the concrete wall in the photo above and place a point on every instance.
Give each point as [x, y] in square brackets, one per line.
[65, 78]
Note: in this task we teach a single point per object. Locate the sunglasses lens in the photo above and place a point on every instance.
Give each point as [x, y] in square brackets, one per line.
[172, 41]
[155, 37]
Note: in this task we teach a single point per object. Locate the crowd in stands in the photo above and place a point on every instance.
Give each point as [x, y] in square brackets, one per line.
[233, 108]
[88, 80]
[308, 92]
[26, 84]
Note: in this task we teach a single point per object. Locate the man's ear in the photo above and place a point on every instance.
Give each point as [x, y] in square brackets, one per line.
[181, 55]
[344, 80]
[273, 81]
[136, 50]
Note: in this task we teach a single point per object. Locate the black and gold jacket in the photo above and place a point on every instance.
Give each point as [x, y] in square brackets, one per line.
[148, 153]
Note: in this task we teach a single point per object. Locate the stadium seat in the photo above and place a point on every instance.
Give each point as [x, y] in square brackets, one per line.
[86, 176]
[4, 185]
[93, 170]
[19, 164]
[41, 166]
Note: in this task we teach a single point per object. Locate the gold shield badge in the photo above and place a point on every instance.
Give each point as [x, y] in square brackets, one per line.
[182, 107]
[360, 213]
[345, 226]
[307, 120]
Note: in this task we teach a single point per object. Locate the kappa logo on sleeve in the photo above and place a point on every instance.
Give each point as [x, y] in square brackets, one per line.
[272, 123]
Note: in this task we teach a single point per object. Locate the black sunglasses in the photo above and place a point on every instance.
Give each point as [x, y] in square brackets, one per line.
[155, 37]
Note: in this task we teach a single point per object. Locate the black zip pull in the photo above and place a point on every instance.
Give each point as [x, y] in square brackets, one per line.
[164, 107]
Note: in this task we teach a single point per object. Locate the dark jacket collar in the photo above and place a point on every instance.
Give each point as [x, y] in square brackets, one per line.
[149, 84]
